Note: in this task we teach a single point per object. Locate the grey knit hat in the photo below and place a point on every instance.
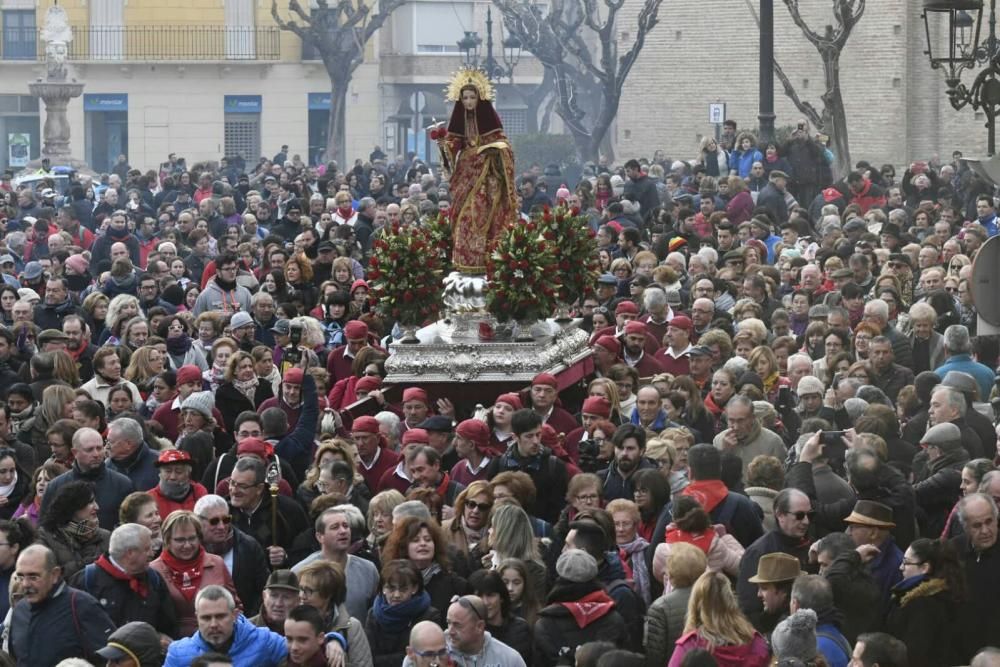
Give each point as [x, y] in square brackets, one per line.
[576, 565]
[200, 401]
[795, 637]
[810, 385]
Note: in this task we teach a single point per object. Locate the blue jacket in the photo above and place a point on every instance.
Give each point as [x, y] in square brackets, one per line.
[742, 161]
[252, 647]
[991, 224]
[69, 623]
[965, 364]
[832, 645]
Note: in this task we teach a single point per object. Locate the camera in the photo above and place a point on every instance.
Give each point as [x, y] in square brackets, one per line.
[830, 437]
[291, 353]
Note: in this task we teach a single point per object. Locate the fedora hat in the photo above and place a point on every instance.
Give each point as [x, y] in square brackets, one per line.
[871, 513]
[775, 568]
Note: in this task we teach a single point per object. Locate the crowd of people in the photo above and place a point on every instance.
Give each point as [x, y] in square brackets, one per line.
[787, 451]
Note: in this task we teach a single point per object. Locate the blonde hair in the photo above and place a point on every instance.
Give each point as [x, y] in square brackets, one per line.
[715, 615]
[686, 563]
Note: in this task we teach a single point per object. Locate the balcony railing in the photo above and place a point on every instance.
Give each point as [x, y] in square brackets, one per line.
[149, 43]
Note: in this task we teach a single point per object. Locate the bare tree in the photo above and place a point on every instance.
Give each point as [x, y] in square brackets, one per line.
[577, 41]
[832, 118]
[339, 34]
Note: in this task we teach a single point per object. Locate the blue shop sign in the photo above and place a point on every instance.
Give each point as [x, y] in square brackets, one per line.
[319, 101]
[243, 104]
[105, 102]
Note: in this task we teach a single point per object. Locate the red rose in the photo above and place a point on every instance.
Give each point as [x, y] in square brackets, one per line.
[408, 296]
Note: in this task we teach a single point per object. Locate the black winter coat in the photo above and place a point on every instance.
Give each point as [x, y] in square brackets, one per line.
[979, 621]
[515, 633]
[250, 571]
[772, 542]
[442, 587]
[123, 605]
[939, 492]
[389, 648]
[558, 634]
[925, 618]
[230, 402]
[67, 624]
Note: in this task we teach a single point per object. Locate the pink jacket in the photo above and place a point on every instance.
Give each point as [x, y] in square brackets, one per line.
[723, 556]
[754, 654]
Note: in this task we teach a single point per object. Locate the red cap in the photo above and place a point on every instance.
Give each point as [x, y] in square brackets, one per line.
[358, 283]
[609, 343]
[549, 437]
[547, 379]
[511, 399]
[188, 373]
[356, 329]
[169, 456]
[365, 424]
[475, 431]
[257, 447]
[636, 327]
[682, 322]
[293, 376]
[597, 405]
[626, 307]
[416, 435]
[416, 394]
[368, 383]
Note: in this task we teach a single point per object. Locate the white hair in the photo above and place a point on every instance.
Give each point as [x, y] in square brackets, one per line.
[210, 502]
[678, 257]
[127, 537]
[799, 358]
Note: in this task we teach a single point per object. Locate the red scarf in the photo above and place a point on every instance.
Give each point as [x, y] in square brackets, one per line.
[135, 583]
[709, 493]
[186, 575]
[703, 541]
[442, 488]
[345, 213]
[590, 608]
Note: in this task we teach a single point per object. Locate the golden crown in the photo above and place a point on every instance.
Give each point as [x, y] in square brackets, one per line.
[469, 76]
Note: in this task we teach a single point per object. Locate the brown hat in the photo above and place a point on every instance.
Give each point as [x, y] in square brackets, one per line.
[775, 568]
[284, 579]
[871, 513]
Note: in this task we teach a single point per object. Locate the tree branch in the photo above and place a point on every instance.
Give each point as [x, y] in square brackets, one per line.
[282, 24]
[793, 9]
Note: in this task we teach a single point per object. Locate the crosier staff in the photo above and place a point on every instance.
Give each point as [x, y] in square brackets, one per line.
[272, 478]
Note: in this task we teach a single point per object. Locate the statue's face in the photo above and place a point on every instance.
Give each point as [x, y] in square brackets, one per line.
[469, 99]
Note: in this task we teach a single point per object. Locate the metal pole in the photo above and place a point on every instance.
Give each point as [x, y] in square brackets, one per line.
[491, 65]
[766, 105]
[991, 132]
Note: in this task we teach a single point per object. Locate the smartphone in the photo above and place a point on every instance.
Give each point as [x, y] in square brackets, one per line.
[830, 437]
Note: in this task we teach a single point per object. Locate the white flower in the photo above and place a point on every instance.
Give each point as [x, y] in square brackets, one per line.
[519, 274]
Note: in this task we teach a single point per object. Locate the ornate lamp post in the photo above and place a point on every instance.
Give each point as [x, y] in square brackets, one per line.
[765, 111]
[496, 70]
[953, 44]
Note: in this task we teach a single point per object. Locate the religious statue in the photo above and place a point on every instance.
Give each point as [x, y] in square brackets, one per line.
[57, 34]
[481, 162]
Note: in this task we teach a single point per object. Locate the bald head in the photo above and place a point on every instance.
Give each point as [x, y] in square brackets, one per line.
[426, 638]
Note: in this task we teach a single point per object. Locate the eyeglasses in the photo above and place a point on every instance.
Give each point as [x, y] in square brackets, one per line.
[464, 601]
[587, 497]
[479, 507]
[800, 516]
[440, 653]
[241, 486]
[912, 563]
[216, 520]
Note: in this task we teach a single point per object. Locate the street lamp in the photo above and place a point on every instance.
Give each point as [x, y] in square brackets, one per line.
[765, 76]
[495, 69]
[953, 30]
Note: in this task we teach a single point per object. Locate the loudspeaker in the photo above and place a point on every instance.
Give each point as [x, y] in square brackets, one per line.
[985, 283]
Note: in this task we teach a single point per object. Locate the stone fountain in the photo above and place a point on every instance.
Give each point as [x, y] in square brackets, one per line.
[56, 90]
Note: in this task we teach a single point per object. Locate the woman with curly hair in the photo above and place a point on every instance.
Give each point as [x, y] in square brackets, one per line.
[421, 542]
[121, 309]
[467, 529]
[181, 349]
[299, 282]
[69, 527]
[145, 364]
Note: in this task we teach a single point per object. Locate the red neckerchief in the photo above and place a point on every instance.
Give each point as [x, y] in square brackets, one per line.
[590, 608]
[709, 493]
[186, 575]
[77, 352]
[703, 541]
[136, 584]
[442, 488]
[346, 213]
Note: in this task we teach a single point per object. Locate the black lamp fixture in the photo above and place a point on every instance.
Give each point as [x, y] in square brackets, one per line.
[954, 28]
[495, 69]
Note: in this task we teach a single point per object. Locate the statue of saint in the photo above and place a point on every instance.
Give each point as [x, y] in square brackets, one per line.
[481, 162]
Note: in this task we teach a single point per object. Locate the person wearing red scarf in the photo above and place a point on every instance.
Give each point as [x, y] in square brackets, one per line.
[187, 567]
[129, 590]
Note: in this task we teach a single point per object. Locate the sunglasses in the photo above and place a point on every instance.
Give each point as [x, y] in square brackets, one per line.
[215, 521]
[799, 516]
[481, 507]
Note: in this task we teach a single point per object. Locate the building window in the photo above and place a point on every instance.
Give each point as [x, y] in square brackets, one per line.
[19, 34]
[515, 121]
[431, 27]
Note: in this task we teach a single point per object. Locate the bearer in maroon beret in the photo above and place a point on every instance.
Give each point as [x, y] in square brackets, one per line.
[634, 353]
[338, 362]
[498, 421]
[674, 355]
[472, 443]
[607, 352]
[399, 477]
[554, 441]
[625, 312]
[595, 408]
[416, 407]
[544, 399]
[374, 457]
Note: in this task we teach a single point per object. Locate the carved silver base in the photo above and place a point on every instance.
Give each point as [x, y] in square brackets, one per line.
[556, 346]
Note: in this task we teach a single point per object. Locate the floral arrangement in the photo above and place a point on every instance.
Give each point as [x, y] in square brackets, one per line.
[439, 227]
[522, 274]
[576, 252]
[405, 275]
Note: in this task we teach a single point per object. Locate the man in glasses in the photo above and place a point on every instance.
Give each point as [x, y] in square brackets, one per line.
[222, 293]
[792, 514]
[468, 639]
[244, 556]
[427, 647]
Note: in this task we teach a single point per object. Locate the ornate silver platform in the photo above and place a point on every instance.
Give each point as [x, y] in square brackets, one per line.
[442, 357]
